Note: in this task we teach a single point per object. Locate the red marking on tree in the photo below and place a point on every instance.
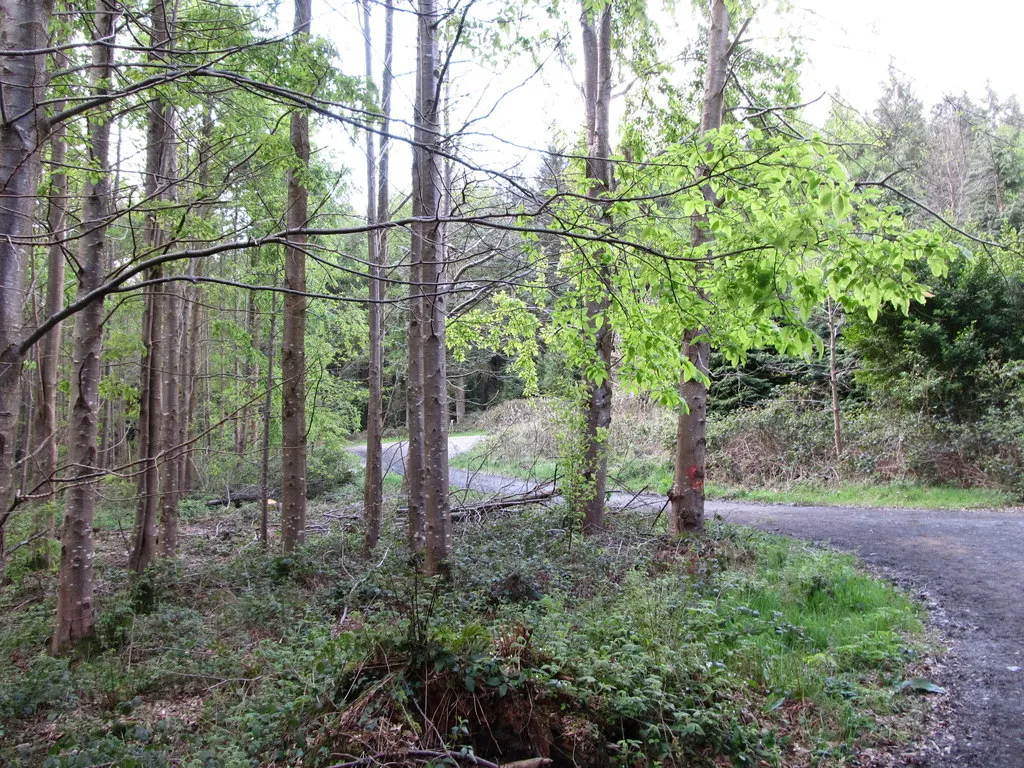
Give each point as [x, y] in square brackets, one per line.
[696, 477]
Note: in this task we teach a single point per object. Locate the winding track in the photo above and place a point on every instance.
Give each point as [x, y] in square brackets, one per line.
[969, 563]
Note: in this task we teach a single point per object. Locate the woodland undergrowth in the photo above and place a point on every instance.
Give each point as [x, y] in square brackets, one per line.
[628, 649]
[780, 449]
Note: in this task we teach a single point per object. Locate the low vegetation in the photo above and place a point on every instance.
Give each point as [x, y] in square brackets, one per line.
[627, 649]
[779, 450]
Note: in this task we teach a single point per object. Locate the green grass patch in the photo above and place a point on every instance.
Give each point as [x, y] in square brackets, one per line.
[902, 495]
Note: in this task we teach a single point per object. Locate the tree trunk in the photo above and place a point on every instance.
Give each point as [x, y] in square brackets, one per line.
[460, 399]
[687, 492]
[45, 428]
[429, 190]
[415, 461]
[376, 211]
[189, 357]
[75, 620]
[23, 26]
[49, 346]
[293, 350]
[268, 401]
[597, 60]
[145, 532]
[156, 326]
[168, 473]
[834, 312]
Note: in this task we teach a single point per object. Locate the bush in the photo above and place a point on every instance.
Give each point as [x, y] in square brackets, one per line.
[789, 439]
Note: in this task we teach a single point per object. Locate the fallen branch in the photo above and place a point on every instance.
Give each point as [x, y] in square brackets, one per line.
[533, 496]
[506, 502]
[243, 497]
[393, 758]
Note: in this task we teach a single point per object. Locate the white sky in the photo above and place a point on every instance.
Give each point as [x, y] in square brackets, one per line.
[941, 46]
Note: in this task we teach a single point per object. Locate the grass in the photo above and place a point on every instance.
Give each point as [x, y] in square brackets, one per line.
[899, 495]
[737, 647]
[656, 477]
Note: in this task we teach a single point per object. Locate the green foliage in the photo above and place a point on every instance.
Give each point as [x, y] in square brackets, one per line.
[505, 324]
[952, 356]
[790, 232]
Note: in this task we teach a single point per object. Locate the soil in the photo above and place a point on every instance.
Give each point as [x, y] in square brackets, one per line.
[966, 565]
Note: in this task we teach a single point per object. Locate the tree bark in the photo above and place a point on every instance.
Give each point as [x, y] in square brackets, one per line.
[168, 473]
[155, 437]
[460, 399]
[687, 492]
[268, 401]
[376, 211]
[834, 312]
[48, 352]
[49, 347]
[430, 190]
[597, 60]
[75, 620]
[293, 351]
[23, 26]
[415, 460]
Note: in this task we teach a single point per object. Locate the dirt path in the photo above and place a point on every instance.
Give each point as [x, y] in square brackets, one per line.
[968, 564]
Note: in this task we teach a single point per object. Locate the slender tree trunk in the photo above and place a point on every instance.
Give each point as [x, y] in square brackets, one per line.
[834, 312]
[195, 313]
[597, 59]
[75, 620]
[145, 532]
[460, 399]
[48, 351]
[157, 326]
[687, 492]
[415, 461]
[293, 351]
[23, 27]
[377, 204]
[268, 401]
[190, 359]
[429, 190]
[49, 346]
[168, 472]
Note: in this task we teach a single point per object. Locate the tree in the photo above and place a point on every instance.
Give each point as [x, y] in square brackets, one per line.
[75, 620]
[45, 427]
[23, 27]
[377, 196]
[158, 480]
[293, 350]
[597, 92]
[690, 464]
[430, 206]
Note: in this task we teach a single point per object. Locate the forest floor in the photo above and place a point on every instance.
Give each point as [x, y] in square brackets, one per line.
[966, 565]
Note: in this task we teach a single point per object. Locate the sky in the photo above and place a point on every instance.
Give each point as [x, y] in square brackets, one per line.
[940, 46]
